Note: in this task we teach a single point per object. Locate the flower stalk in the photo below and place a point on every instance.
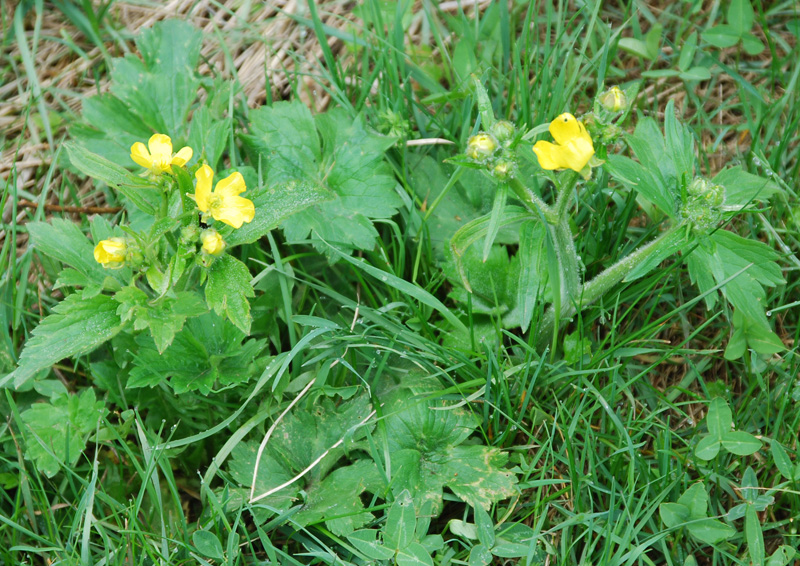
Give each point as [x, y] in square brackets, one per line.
[592, 290]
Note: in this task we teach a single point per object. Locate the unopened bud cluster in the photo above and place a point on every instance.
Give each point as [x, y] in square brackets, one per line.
[703, 205]
[494, 149]
[608, 107]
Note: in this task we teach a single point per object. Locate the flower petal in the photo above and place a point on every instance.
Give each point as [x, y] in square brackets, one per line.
[577, 153]
[230, 186]
[159, 145]
[549, 155]
[565, 128]
[183, 156]
[202, 190]
[234, 211]
[141, 156]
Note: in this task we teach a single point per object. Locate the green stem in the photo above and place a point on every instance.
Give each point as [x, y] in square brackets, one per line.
[532, 201]
[600, 285]
[569, 178]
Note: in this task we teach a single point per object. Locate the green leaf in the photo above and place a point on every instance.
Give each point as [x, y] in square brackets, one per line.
[76, 327]
[783, 463]
[207, 352]
[687, 52]
[743, 188]
[641, 179]
[782, 556]
[209, 135]
[208, 544]
[479, 556]
[531, 270]
[425, 442]
[707, 448]
[337, 499]
[740, 16]
[635, 46]
[494, 219]
[679, 143]
[710, 531]
[300, 439]
[752, 45]
[696, 500]
[673, 514]
[401, 521]
[414, 555]
[277, 204]
[485, 526]
[493, 285]
[160, 87]
[479, 228]
[164, 318]
[696, 74]
[59, 429]
[366, 541]
[63, 240]
[719, 418]
[754, 536]
[139, 191]
[740, 443]
[334, 155]
[514, 541]
[721, 36]
[228, 289]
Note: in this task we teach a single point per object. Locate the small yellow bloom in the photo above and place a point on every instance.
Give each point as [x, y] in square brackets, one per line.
[481, 146]
[159, 158]
[111, 253]
[213, 244]
[223, 204]
[614, 99]
[574, 147]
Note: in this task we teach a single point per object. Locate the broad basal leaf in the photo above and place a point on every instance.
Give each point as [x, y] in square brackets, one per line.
[425, 441]
[333, 155]
[164, 318]
[301, 438]
[59, 429]
[208, 352]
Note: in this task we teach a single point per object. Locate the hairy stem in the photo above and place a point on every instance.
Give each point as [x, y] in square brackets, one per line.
[600, 285]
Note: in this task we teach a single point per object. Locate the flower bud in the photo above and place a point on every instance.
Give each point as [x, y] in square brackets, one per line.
[111, 253]
[189, 234]
[503, 131]
[703, 202]
[614, 100]
[502, 170]
[481, 146]
[213, 244]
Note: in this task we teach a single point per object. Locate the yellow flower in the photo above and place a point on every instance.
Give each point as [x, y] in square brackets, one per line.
[213, 244]
[159, 158]
[574, 147]
[111, 253]
[614, 99]
[223, 204]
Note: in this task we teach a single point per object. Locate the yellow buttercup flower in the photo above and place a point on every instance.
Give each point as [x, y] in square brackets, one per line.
[158, 156]
[574, 147]
[213, 244]
[111, 253]
[223, 204]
